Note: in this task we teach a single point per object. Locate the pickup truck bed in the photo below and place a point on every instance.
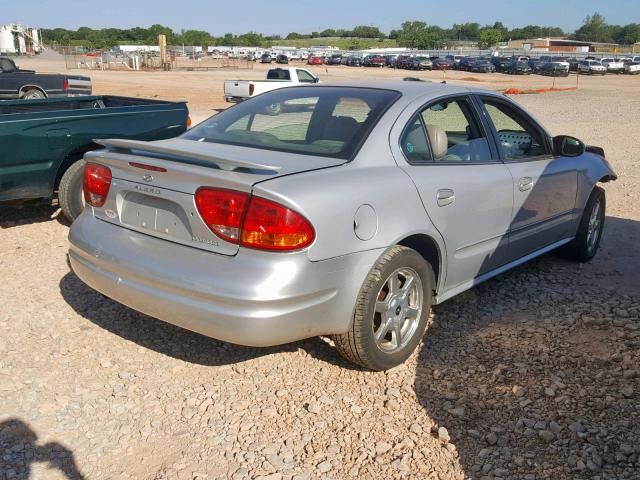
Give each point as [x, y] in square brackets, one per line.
[42, 142]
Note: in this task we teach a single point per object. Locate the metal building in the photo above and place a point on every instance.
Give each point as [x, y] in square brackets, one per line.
[17, 39]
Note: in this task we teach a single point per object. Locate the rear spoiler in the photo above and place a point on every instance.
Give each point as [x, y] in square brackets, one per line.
[132, 146]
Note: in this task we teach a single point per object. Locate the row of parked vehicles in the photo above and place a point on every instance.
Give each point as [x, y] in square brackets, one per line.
[514, 65]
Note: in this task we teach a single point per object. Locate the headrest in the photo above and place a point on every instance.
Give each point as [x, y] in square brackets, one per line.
[438, 140]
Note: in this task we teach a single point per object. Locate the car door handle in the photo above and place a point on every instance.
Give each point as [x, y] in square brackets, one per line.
[445, 197]
[525, 183]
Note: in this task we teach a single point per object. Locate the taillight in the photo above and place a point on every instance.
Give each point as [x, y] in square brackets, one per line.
[251, 221]
[96, 184]
[65, 84]
[252, 88]
[189, 121]
[271, 226]
[222, 211]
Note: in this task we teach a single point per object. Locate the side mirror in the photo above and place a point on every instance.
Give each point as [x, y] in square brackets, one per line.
[567, 146]
[316, 80]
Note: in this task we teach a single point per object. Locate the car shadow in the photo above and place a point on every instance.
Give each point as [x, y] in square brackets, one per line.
[174, 341]
[30, 212]
[20, 451]
[535, 350]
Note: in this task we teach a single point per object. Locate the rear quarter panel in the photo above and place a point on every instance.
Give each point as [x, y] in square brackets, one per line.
[329, 199]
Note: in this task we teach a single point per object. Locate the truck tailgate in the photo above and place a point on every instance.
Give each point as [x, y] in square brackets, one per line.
[237, 88]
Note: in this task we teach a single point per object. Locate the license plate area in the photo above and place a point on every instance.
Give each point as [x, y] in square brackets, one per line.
[158, 215]
[162, 213]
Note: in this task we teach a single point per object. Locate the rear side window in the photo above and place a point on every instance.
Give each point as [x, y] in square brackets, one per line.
[446, 131]
[323, 121]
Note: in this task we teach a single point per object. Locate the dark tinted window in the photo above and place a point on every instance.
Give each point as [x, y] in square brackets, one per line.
[324, 121]
[278, 74]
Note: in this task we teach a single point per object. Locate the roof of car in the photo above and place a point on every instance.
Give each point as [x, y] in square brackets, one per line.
[410, 90]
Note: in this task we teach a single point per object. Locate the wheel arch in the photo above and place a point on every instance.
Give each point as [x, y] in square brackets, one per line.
[26, 88]
[429, 249]
[71, 158]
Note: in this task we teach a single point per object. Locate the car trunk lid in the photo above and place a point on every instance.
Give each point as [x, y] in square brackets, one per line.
[154, 183]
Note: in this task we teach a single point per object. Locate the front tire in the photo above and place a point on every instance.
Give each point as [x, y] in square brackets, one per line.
[586, 242]
[391, 312]
[70, 193]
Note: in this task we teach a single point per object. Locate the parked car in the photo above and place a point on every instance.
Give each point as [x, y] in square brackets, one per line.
[632, 68]
[591, 67]
[374, 61]
[401, 61]
[266, 58]
[465, 63]
[482, 65]
[501, 63]
[391, 60]
[27, 84]
[354, 61]
[263, 231]
[519, 67]
[315, 60]
[239, 90]
[573, 64]
[613, 65]
[419, 63]
[455, 59]
[536, 64]
[43, 140]
[442, 64]
[282, 59]
[555, 69]
[335, 59]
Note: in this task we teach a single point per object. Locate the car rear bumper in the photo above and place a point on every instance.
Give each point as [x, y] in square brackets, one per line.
[254, 298]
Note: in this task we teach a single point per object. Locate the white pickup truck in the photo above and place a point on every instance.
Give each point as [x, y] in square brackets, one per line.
[239, 90]
[613, 65]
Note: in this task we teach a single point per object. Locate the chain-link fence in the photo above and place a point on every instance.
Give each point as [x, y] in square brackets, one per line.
[79, 58]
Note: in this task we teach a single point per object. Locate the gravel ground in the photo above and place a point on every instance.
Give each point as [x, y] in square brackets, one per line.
[532, 375]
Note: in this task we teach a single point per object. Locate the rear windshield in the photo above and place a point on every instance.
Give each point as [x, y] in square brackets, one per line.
[323, 121]
[278, 74]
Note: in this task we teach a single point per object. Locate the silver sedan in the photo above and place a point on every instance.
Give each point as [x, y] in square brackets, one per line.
[343, 210]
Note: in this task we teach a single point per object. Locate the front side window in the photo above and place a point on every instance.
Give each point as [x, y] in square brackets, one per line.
[519, 139]
[305, 77]
[323, 121]
[446, 131]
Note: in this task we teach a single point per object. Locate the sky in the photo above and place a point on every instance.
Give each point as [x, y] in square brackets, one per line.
[284, 16]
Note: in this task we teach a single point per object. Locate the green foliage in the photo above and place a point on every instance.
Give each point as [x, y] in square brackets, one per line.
[489, 37]
[413, 34]
[420, 35]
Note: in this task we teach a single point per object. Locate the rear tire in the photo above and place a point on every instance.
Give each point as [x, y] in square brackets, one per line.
[70, 193]
[391, 311]
[586, 242]
[33, 94]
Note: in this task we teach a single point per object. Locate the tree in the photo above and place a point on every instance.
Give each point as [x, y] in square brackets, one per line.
[488, 38]
[419, 35]
[628, 35]
[594, 29]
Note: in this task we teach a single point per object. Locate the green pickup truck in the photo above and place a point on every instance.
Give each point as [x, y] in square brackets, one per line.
[42, 142]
